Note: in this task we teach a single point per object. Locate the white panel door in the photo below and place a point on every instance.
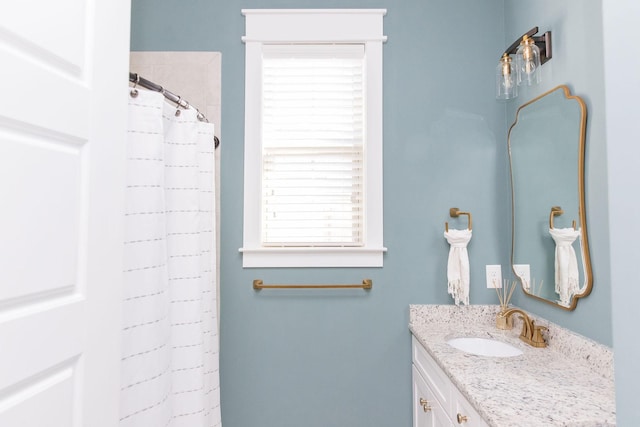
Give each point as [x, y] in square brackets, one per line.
[63, 79]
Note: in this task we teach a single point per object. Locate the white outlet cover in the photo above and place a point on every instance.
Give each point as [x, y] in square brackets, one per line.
[494, 276]
[523, 271]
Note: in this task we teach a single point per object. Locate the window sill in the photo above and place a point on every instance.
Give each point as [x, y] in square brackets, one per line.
[312, 257]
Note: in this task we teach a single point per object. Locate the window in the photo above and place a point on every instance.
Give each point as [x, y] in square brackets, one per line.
[313, 138]
[312, 145]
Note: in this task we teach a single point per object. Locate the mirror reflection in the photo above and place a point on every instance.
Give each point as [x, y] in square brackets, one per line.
[550, 251]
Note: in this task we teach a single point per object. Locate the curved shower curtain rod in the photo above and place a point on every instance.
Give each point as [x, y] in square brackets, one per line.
[137, 80]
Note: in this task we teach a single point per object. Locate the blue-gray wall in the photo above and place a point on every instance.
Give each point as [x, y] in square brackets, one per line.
[334, 358]
[576, 27]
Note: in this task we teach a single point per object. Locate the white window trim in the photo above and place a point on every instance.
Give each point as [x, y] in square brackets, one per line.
[313, 26]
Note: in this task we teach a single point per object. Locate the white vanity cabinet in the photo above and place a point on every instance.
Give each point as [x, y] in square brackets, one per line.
[427, 410]
[436, 400]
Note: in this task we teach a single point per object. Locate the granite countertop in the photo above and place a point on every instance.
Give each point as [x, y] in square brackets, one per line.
[569, 383]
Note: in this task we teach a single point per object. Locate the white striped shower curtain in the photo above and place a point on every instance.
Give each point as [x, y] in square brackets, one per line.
[170, 333]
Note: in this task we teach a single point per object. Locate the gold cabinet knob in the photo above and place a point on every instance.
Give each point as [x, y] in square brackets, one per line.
[462, 418]
[425, 405]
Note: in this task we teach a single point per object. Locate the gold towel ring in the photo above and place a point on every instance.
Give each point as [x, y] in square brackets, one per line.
[556, 211]
[454, 213]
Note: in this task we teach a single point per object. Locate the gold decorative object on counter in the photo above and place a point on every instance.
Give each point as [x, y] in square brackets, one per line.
[531, 334]
[505, 293]
[504, 296]
[503, 322]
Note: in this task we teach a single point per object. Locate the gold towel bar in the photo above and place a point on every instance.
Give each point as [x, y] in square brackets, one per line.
[454, 213]
[258, 284]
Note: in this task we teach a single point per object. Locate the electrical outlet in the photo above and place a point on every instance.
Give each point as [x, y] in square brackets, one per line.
[523, 271]
[494, 276]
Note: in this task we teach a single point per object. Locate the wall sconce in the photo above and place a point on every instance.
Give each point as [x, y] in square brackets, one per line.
[530, 52]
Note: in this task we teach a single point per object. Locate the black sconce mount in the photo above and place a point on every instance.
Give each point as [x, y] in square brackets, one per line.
[543, 42]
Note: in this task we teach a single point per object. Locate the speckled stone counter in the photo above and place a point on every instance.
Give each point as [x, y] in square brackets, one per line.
[569, 383]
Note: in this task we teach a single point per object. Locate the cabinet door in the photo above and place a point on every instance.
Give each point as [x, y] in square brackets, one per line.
[437, 380]
[464, 414]
[427, 411]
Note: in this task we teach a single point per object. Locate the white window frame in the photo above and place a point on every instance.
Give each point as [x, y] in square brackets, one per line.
[287, 26]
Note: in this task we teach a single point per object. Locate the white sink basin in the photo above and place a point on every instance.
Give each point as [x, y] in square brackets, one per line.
[484, 347]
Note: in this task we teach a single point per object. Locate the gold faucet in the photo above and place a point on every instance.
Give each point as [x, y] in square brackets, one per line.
[531, 334]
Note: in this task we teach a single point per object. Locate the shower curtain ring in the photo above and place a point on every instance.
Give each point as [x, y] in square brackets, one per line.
[134, 91]
[178, 106]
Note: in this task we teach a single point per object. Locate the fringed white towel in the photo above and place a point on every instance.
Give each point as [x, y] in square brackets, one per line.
[458, 265]
[566, 264]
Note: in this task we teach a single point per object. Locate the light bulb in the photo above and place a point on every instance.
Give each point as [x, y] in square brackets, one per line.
[528, 62]
[506, 79]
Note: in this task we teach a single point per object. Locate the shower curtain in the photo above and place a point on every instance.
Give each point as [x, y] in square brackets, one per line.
[170, 333]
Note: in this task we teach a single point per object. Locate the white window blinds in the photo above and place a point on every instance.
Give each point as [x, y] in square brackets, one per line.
[312, 145]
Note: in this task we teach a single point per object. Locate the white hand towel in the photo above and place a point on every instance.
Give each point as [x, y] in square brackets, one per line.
[458, 265]
[566, 275]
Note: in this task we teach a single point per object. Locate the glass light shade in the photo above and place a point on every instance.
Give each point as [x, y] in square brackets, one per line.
[506, 79]
[528, 62]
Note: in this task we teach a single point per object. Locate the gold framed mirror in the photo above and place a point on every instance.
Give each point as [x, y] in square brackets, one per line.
[549, 243]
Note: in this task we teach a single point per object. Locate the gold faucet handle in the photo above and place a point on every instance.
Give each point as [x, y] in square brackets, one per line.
[527, 325]
[537, 337]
